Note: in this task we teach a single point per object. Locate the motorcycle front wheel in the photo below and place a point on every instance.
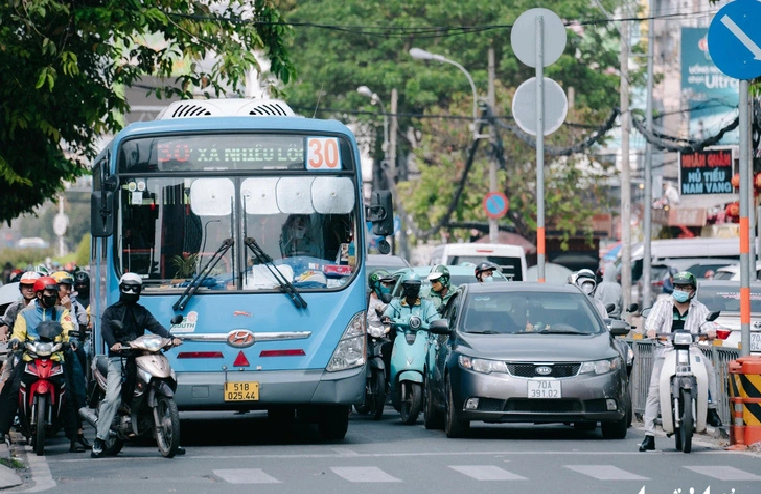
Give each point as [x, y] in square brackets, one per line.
[411, 403]
[378, 382]
[168, 428]
[42, 406]
[687, 425]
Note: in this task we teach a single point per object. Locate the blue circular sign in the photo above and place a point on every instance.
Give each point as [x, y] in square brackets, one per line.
[734, 39]
[495, 205]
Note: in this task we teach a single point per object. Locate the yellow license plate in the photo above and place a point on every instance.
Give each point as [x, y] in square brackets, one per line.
[241, 391]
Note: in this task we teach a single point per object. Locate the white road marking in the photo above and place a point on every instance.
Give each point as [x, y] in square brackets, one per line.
[244, 476]
[605, 472]
[486, 472]
[364, 474]
[41, 476]
[724, 472]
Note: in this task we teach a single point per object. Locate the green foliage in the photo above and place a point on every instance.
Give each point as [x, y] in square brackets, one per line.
[185, 265]
[63, 62]
[373, 50]
[82, 257]
[20, 258]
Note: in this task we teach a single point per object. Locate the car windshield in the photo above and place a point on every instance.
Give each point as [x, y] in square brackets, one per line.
[727, 298]
[511, 267]
[530, 312]
[723, 275]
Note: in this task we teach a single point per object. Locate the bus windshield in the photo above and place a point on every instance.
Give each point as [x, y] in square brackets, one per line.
[175, 224]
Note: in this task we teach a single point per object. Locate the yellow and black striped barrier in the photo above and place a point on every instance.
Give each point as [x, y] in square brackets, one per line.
[745, 396]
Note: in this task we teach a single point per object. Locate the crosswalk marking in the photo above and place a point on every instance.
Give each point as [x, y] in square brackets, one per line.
[245, 476]
[364, 474]
[486, 472]
[723, 472]
[605, 472]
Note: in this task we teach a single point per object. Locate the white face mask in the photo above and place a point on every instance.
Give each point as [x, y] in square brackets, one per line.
[588, 288]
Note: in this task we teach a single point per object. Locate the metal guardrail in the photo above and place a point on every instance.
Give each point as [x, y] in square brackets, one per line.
[643, 365]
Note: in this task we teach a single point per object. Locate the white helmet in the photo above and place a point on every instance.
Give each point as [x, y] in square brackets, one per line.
[29, 277]
[131, 279]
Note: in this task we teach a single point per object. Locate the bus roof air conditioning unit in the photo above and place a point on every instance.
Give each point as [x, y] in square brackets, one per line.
[226, 108]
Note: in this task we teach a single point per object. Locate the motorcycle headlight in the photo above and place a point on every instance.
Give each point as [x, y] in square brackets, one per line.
[682, 338]
[600, 366]
[484, 366]
[415, 322]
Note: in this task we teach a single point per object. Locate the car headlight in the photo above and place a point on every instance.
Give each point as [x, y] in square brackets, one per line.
[600, 366]
[484, 366]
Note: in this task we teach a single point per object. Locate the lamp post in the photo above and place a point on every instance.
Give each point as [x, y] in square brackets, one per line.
[375, 100]
[419, 54]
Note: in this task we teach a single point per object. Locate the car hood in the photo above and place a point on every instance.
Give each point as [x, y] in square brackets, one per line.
[537, 347]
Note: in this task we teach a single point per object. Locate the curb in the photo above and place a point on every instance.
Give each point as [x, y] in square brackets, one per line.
[8, 475]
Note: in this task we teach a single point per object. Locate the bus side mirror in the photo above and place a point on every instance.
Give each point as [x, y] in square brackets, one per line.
[381, 214]
[102, 209]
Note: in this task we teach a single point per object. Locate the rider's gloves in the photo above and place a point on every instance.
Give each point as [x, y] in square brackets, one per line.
[13, 344]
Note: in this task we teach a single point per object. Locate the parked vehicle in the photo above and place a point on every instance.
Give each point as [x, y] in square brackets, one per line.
[153, 411]
[526, 352]
[724, 296]
[684, 387]
[732, 272]
[511, 259]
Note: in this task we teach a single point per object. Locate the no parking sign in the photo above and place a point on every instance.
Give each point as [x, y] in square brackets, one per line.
[495, 205]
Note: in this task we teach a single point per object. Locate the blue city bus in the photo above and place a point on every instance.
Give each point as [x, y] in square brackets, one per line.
[248, 221]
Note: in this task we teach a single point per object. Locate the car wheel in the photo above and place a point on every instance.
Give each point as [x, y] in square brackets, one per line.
[615, 429]
[454, 426]
[432, 419]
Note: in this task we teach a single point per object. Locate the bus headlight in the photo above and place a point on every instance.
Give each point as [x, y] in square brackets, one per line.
[350, 351]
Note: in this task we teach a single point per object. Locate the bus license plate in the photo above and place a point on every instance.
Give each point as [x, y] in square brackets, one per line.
[541, 388]
[755, 342]
[241, 390]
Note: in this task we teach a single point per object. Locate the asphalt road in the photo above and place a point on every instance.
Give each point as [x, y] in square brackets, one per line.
[246, 453]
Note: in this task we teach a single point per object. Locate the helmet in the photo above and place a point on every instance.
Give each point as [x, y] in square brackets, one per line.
[411, 286]
[128, 279]
[485, 266]
[63, 277]
[377, 277]
[28, 278]
[16, 275]
[82, 278]
[584, 279]
[685, 278]
[440, 273]
[130, 285]
[45, 283]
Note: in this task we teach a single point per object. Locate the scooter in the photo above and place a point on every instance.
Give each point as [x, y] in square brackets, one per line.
[41, 403]
[684, 384]
[375, 389]
[407, 362]
[153, 411]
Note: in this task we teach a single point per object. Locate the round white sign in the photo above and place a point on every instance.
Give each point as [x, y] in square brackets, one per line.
[523, 37]
[524, 106]
[60, 223]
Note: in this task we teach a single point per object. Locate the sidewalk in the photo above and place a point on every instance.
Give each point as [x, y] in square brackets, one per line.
[8, 476]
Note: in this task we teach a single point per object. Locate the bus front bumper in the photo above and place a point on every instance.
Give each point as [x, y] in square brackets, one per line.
[205, 390]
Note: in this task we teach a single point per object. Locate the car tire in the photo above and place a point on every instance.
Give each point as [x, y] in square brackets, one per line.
[432, 419]
[615, 429]
[454, 426]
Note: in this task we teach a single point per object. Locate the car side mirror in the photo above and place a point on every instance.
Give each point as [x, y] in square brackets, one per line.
[618, 327]
[714, 315]
[440, 326]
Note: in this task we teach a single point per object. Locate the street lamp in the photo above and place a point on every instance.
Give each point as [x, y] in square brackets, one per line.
[420, 54]
[375, 100]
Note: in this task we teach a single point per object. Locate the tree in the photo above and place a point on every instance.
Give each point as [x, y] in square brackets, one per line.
[63, 63]
[370, 46]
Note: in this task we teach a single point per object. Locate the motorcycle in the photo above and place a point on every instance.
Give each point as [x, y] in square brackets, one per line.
[153, 411]
[684, 384]
[375, 390]
[407, 362]
[41, 402]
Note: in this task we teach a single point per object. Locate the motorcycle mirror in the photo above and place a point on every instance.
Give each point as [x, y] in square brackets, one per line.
[646, 312]
[610, 307]
[633, 307]
[714, 315]
[177, 319]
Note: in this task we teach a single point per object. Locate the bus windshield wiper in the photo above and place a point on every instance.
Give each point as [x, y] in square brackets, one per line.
[286, 285]
[199, 278]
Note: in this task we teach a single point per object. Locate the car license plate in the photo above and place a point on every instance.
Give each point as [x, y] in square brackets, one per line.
[543, 388]
[241, 390]
[755, 342]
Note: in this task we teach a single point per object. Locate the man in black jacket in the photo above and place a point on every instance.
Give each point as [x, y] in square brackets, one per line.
[134, 319]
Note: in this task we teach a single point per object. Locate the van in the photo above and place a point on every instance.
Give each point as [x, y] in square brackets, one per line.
[511, 259]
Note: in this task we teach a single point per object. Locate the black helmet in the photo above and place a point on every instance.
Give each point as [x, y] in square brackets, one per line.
[485, 266]
[411, 286]
[685, 278]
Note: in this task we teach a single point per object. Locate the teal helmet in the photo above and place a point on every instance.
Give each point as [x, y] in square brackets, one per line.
[440, 273]
[411, 286]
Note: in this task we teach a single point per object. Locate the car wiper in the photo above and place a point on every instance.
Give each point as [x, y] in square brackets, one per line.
[199, 278]
[285, 285]
[560, 331]
[488, 331]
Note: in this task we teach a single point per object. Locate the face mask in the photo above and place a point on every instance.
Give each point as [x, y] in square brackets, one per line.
[48, 300]
[680, 296]
[587, 288]
[488, 279]
[412, 293]
[384, 294]
[299, 231]
[129, 298]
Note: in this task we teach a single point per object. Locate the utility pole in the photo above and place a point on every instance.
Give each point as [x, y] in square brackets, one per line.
[491, 100]
[400, 174]
[626, 264]
[648, 200]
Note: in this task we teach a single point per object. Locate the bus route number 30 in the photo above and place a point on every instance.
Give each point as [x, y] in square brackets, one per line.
[323, 154]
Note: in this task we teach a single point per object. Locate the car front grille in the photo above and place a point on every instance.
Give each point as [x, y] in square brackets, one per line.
[529, 369]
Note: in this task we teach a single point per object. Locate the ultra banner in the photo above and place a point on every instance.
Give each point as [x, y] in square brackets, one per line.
[706, 172]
